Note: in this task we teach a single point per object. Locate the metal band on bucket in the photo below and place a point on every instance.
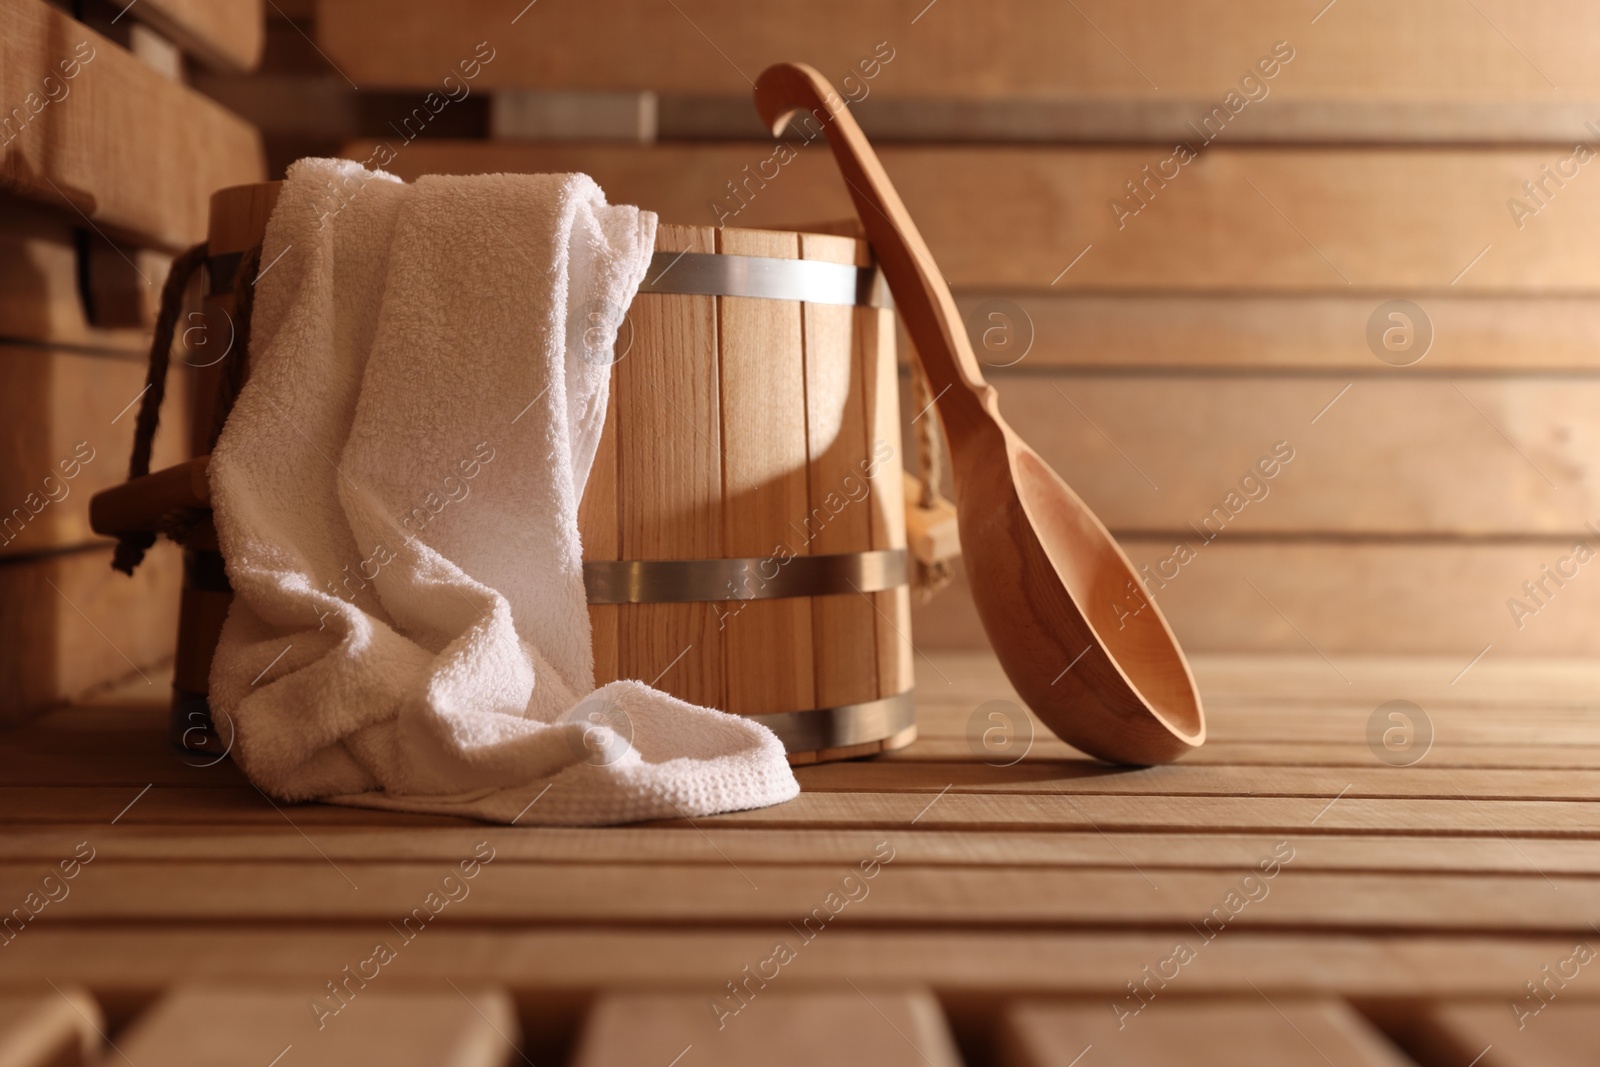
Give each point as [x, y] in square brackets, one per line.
[668, 581]
[849, 724]
[810, 281]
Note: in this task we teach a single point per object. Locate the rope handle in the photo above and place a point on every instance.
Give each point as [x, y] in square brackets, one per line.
[132, 546]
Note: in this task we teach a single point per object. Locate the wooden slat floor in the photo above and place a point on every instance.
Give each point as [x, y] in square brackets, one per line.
[1290, 894]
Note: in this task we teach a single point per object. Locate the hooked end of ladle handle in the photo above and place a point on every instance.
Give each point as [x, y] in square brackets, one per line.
[784, 88]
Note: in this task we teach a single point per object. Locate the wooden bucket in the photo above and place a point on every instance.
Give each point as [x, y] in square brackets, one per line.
[744, 525]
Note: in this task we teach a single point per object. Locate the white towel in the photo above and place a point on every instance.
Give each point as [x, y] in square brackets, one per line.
[396, 494]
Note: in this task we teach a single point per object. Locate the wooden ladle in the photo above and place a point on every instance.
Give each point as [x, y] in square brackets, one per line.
[1074, 630]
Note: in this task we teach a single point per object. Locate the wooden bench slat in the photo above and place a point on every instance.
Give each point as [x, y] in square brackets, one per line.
[1232, 752]
[964, 964]
[335, 1025]
[1135, 1032]
[838, 1024]
[954, 811]
[1083, 776]
[1196, 905]
[353, 846]
[1554, 1027]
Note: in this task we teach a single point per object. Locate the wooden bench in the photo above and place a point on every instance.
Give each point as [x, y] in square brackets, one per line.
[976, 897]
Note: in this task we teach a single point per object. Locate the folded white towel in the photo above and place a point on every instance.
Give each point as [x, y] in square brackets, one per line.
[396, 494]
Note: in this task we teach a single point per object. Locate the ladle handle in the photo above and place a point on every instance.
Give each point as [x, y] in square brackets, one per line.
[965, 401]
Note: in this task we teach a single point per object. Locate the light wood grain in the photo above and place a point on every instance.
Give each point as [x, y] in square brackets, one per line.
[839, 417]
[670, 480]
[1155, 49]
[1425, 596]
[893, 1027]
[1302, 681]
[768, 643]
[354, 846]
[1163, 120]
[1086, 776]
[875, 336]
[1553, 1027]
[236, 806]
[1159, 455]
[1174, 333]
[467, 1025]
[80, 155]
[986, 963]
[1260, 1032]
[1382, 222]
[1216, 902]
[1228, 750]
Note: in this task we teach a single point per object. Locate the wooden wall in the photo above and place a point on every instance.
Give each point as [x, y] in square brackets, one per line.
[1167, 319]
[106, 162]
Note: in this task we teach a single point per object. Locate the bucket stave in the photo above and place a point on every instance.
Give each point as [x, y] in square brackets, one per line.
[746, 505]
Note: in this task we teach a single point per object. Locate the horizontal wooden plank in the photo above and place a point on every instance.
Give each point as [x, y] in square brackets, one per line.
[352, 847]
[469, 1027]
[1083, 776]
[955, 680]
[1339, 598]
[1200, 814]
[69, 623]
[1221, 334]
[893, 1027]
[224, 34]
[1302, 680]
[596, 893]
[1280, 220]
[1159, 455]
[1280, 722]
[69, 419]
[1255, 1032]
[957, 965]
[222, 806]
[96, 134]
[1150, 49]
[1226, 751]
[1126, 118]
